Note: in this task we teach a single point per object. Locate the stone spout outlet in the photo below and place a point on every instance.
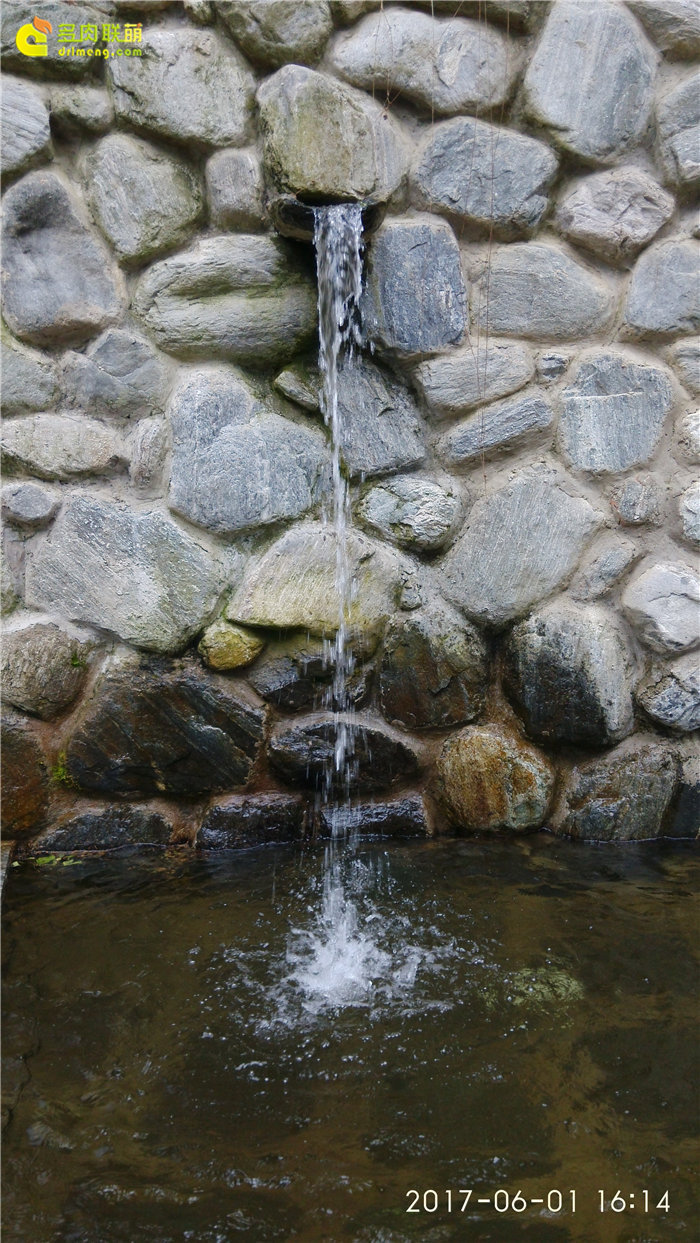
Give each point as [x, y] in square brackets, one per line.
[293, 216]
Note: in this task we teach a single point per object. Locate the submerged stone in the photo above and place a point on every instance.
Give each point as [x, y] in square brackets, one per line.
[433, 671]
[487, 778]
[244, 820]
[303, 754]
[624, 797]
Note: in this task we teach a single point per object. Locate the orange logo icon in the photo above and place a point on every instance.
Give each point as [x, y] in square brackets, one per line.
[31, 39]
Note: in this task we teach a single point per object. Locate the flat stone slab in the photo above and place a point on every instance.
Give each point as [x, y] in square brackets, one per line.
[62, 446]
[614, 214]
[487, 778]
[472, 375]
[537, 291]
[663, 604]
[242, 821]
[625, 797]
[303, 754]
[496, 429]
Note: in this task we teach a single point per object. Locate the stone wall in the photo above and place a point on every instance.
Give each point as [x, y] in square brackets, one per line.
[520, 433]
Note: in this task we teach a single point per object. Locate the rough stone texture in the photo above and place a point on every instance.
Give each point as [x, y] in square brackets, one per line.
[241, 821]
[29, 505]
[25, 786]
[81, 108]
[134, 573]
[420, 254]
[689, 507]
[591, 78]
[272, 32]
[302, 753]
[443, 66]
[165, 731]
[105, 828]
[614, 214]
[326, 139]
[610, 557]
[292, 586]
[190, 85]
[689, 436]
[147, 446]
[119, 374]
[43, 668]
[52, 64]
[519, 544]
[224, 646]
[550, 365]
[412, 511]
[25, 135]
[613, 413]
[664, 294]
[637, 501]
[58, 281]
[143, 200]
[235, 464]
[500, 428]
[28, 379]
[624, 797]
[403, 817]
[507, 181]
[300, 383]
[240, 297]
[433, 671]
[674, 25]
[298, 671]
[537, 291]
[10, 585]
[569, 672]
[61, 446]
[678, 128]
[488, 778]
[235, 190]
[380, 428]
[670, 694]
[685, 357]
[663, 604]
[686, 812]
[474, 374]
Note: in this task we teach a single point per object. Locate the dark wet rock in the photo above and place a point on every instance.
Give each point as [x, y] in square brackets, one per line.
[119, 374]
[685, 818]
[272, 32]
[488, 778]
[29, 505]
[624, 797]
[165, 731]
[43, 668]
[670, 694]
[433, 671]
[105, 828]
[403, 817]
[298, 672]
[25, 783]
[253, 820]
[303, 753]
[569, 671]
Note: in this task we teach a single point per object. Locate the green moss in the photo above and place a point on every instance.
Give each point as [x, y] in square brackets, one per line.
[76, 661]
[60, 774]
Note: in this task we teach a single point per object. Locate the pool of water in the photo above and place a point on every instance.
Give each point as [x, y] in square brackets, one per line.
[205, 1049]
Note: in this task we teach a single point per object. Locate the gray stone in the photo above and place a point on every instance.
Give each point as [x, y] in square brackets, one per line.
[235, 190]
[537, 291]
[674, 25]
[613, 413]
[591, 78]
[201, 12]
[422, 255]
[272, 32]
[443, 66]
[11, 590]
[401, 817]
[242, 820]
[119, 374]
[190, 85]
[678, 128]
[43, 668]
[487, 778]
[298, 672]
[52, 64]
[611, 556]
[670, 694]
[569, 669]
[25, 136]
[664, 293]
[81, 108]
[689, 436]
[614, 214]
[240, 297]
[29, 505]
[380, 428]
[474, 374]
[165, 730]
[638, 501]
[104, 828]
[143, 200]
[663, 604]
[235, 464]
[136, 574]
[61, 446]
[292, 586]
[58, 280]
[496, 429]
[300, 383]
[507, 182]
[689, 506]
[28, 379]
[326, 139]
[624, 797]
[550, 365]
[519, 544]
[148, 447]
[303, 753]
[412, 511]
[433, 671]
[685, 357]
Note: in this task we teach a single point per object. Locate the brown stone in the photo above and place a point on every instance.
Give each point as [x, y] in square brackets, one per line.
[43, 669]
[25, 786]
[488, 778]
[433, 671]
